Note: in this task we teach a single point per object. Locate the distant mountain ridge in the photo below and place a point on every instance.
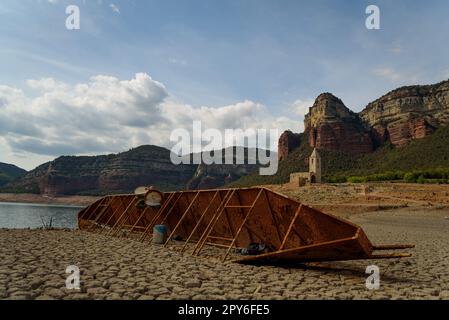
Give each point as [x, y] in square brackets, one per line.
[9, 172]
[122, 173]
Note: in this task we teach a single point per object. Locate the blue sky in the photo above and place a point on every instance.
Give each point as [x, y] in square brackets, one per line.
[277, 55]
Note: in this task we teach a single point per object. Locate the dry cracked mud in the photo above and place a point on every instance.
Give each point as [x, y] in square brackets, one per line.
[33, 264]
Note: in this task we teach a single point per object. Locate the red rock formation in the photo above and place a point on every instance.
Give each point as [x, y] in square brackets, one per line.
[288, 141]
[341, 137]
[408, 113]
[400, 133]
[398, 117]
[332, 126]
[420, 128]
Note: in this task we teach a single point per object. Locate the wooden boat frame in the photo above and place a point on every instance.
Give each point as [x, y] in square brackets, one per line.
[233, 219]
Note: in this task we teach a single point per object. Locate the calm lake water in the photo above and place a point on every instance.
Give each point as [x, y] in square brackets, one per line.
[26, 215]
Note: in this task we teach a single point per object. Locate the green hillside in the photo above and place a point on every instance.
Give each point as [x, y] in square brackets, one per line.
[9, 172]
[425, 154]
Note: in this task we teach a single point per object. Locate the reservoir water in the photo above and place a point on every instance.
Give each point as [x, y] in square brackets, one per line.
[26, 215]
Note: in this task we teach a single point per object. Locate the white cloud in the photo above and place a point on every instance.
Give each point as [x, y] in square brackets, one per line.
[114, 8]
[301, 107]
[106, 115]
[45, 84]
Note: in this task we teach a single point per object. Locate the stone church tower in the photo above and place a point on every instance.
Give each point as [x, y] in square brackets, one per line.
[299, 179]
[315, 167]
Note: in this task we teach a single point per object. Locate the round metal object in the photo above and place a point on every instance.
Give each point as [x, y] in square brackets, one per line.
[153, 198]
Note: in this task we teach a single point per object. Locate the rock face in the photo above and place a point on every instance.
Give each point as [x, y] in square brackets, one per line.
[400, 116]
[288, 142]
[216, 175]
[408, 113]
[330, 125]
[122, 173]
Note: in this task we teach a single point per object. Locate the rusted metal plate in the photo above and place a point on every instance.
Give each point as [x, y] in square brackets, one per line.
[236, 218]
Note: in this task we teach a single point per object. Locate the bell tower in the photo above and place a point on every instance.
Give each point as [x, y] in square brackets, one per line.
[315, 167]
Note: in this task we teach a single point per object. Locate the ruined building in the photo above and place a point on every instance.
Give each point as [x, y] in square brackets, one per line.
[298, 179]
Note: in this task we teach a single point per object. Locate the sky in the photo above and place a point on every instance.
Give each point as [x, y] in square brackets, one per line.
[136, 70]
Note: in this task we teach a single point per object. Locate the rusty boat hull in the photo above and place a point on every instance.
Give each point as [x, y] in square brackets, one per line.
[231, 219]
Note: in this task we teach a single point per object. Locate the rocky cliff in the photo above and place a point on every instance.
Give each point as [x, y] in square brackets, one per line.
[216, 175]
[398, 117]
[331, 125]
[288, 142]
[122, 173]
[408, 113]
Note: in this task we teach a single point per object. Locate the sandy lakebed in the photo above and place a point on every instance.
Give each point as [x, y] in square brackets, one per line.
[41, 199]
[33, 265]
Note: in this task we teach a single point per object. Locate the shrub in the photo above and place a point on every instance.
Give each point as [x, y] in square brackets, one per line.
[421, 179]
[336, 179]
[357, 179]
[410, 177]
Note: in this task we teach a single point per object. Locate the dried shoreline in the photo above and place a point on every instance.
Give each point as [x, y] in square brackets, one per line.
[341, 199]
[119, 268]
[41, 199]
